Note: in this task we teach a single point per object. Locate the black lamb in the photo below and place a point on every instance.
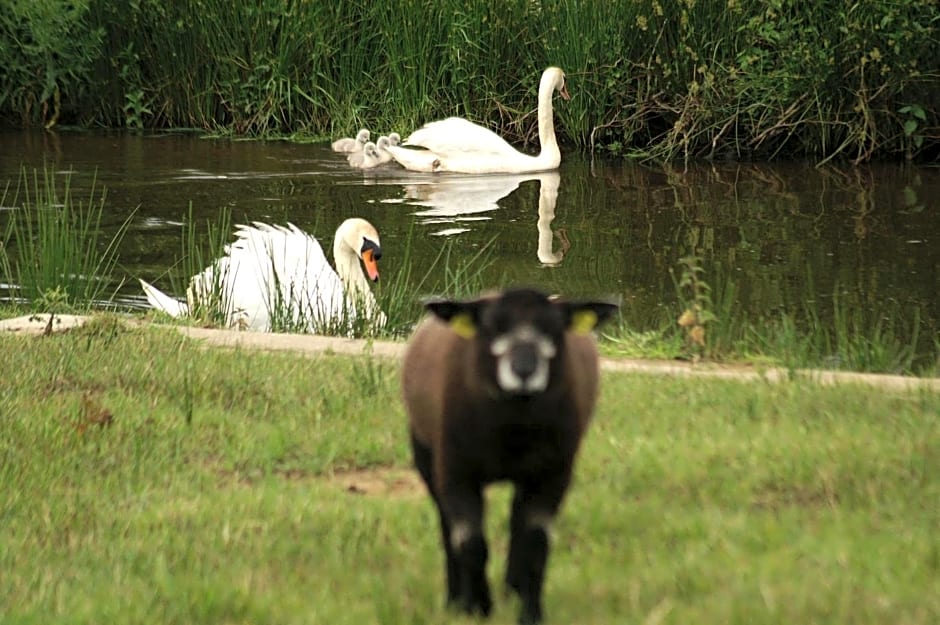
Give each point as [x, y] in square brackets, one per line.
[500, 388]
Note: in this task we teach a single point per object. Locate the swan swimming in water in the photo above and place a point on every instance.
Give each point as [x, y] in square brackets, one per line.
[349, 145]
[275, 274]
[458, 145]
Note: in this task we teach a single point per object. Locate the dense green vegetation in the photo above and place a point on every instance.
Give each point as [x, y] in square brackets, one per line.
[650, 78]
[146, 479]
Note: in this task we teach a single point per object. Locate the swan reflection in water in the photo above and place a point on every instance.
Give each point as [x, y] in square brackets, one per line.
[455, 200]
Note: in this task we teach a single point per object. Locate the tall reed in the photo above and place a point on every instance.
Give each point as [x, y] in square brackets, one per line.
[53, 245]
[448, 274]
[834, 332]
[649, 78]
[209, 301]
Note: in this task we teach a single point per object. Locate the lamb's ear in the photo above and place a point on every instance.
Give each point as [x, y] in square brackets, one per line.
[462, 316]
[583, 317]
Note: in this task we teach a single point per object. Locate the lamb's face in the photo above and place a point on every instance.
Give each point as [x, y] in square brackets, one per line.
[520, 335]
[522, 332]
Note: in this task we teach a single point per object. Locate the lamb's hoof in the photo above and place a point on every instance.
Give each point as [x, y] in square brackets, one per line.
[512, 587]
[527, 617]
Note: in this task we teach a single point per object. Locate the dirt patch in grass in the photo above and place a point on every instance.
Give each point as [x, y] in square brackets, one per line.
[379, 482]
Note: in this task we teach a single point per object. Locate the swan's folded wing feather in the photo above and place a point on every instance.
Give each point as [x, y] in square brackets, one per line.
[269, 268]
[457, 135]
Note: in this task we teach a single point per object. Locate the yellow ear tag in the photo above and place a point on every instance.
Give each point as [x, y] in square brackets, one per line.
[583, 321]
[462, 324]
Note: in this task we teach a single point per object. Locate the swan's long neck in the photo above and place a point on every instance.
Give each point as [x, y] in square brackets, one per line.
[356, 292]
[347, 266]
[549, 144]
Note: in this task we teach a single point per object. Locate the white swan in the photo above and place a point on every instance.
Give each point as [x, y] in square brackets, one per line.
[274, 274]
[457, 145]
[347, 144]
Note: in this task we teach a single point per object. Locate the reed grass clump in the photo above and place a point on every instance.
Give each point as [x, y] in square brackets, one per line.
[650, 79]
[53, 254]
[706, 324]
[199, 247]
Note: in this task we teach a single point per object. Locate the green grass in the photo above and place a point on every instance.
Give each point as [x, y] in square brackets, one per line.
[206, 496]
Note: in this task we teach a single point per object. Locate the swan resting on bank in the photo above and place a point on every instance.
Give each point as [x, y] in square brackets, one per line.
[458, 145]
[275, 276]
[349, 145]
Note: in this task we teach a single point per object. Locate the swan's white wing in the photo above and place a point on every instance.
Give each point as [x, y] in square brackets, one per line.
[461, 146]
[456, 135]
[284, 272]
[161, 301]
[308, 282]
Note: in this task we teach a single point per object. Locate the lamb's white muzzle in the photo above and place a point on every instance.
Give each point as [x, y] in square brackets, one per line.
[523, 357]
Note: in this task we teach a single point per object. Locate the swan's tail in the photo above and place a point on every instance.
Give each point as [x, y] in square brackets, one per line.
[161, 301]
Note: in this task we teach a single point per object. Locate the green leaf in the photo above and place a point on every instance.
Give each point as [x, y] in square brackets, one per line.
[910, 126]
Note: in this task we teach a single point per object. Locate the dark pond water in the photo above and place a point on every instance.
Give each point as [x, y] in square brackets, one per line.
[786, 237]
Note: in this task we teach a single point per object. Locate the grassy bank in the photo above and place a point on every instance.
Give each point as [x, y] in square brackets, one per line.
[145, 479]
[664, 80]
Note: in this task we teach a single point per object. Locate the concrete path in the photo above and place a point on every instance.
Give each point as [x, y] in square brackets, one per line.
[310, 344]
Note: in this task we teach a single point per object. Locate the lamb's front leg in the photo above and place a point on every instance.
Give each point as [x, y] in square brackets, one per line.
[464, 508]
[534, 507]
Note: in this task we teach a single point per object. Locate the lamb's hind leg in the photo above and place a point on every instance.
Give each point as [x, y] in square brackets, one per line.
[423, 462]
[534, 506]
